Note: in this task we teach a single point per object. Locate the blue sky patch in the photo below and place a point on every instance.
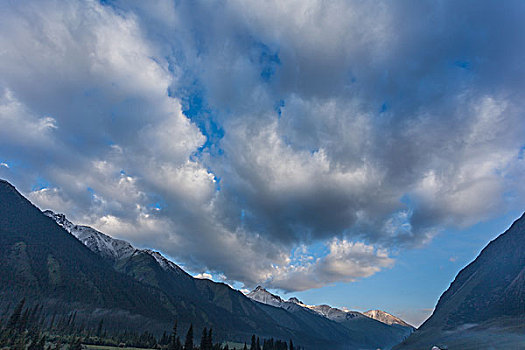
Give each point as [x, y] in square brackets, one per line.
[40, 184]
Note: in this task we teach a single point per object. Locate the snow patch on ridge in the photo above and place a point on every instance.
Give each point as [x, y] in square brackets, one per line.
[263, 296]
[106, 246]
[385, 317]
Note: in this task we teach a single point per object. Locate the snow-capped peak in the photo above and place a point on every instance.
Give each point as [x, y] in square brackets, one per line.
[387, 318]
[61, 220]
[106, 246]
[263, 296]
[293, 304]
[333, 313]
[162, 261]
[296, 301]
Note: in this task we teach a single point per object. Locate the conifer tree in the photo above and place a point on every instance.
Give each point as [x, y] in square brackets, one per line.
[291, 345]
[22, 323]
[210, 340]
[245, 347]
[34, 340]
[174, 343]
[253, 345]
[99, 328]
[58, 344]
[16, 315]
[164, 340]
[76, 344]
[52, 322]
[20, 343]
[71, 324]
[36, 343]
[204, 339]
[188, 344]
[42, 343]
[258, 344]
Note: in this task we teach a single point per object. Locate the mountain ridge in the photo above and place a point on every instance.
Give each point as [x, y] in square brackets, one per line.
[262, 295]
[118, 249]
[484, 307]
[365, 328]
[47, 265]
[385, 317]
[137, 288]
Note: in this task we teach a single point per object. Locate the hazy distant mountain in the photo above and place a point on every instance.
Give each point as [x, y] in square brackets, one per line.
[335, 314]
[362, 329]
[484, 307]
[385, 317]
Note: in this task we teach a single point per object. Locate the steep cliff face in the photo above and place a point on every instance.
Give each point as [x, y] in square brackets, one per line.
[486, 298]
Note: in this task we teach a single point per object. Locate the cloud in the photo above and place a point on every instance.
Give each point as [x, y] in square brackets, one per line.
[240, 137]
[203, 276]
[345, 262]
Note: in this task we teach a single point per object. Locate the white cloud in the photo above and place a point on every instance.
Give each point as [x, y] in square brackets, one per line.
[203, 275]
[357, 125]
[345, 262]
[50, 198]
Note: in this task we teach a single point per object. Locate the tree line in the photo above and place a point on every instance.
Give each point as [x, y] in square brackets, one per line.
[29, 328]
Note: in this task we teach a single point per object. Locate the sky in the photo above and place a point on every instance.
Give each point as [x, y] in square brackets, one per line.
[351, 153]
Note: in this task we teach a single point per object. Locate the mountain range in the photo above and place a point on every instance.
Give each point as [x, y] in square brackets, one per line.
[372, 327]
[375, 330]
[66, 267]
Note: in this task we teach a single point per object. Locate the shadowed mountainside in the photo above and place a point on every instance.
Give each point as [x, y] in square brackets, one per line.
[44, 263]
[484, 307]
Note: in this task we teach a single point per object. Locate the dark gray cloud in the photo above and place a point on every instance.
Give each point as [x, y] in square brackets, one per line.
[233, 135]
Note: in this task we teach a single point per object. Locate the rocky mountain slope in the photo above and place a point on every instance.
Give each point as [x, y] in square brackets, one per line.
[298, 316]
[108, 247]
[44, 263]
[484, 307]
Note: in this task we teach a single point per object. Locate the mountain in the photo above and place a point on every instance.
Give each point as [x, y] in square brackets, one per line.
[263, 296]
[42, 262]
[362, 329]
[204, 302]
[71, 268]
[385, 317]
[335, 314]
[484, 307]
[108, 247]
[291, 314]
